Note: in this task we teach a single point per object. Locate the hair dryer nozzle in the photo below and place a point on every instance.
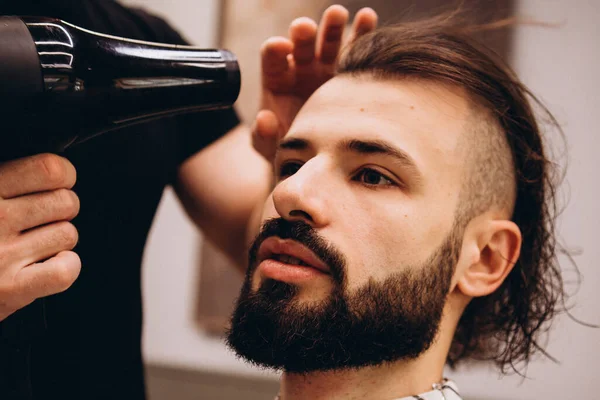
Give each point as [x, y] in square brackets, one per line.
[20, 71]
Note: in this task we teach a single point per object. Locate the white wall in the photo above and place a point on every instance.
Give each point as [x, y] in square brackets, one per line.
[197, 20]
[561, 66]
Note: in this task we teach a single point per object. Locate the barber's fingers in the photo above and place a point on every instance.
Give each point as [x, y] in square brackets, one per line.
[303, 33]
[365, 21]
[43, 279]
[35, 264]
[40, 243]
[331, 31]
[265, 134]
[37, 173]
[275, 63]
[25, 212]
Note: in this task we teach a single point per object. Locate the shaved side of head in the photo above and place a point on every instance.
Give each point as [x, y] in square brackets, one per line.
[489, 181]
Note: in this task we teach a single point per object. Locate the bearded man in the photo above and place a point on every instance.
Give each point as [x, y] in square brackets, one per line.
[410, 225]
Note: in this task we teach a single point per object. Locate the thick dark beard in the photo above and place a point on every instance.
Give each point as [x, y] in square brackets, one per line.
[396, 319]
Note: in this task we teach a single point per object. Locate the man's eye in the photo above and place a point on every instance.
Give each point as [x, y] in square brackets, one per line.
[288, 169]
[370, 177]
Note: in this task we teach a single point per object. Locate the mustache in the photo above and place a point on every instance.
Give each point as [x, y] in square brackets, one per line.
[304, 234]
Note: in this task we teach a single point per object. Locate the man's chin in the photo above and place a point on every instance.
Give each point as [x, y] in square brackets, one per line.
[311, 296]
[307, 293]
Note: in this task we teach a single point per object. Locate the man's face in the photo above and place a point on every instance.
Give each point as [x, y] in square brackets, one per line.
[368, 181]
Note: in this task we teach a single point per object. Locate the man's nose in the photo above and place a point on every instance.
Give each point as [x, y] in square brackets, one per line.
[306, 194]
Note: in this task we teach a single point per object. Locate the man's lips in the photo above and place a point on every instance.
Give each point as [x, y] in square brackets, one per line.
[274, 246]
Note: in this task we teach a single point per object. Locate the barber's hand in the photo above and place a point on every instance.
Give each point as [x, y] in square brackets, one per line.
[36, 204]
[292, 69]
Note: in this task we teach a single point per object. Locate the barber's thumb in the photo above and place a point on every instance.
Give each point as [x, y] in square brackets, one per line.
[266, 124]
[265, 133]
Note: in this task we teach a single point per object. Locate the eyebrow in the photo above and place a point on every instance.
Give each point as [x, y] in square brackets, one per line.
[378, 147]
[363, 147]
[294, 144]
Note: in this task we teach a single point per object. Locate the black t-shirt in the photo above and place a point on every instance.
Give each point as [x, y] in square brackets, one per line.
[90, 347]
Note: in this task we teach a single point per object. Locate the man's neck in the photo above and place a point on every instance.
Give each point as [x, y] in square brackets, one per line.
[385, 382]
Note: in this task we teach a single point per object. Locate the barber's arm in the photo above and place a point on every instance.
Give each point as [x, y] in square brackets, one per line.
[224, 186]
[219, 187]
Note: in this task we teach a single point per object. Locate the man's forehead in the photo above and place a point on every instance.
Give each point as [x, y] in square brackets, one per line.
[390, 93]
[414, 114]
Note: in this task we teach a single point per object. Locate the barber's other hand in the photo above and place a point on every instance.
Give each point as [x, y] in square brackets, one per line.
[36, 204]
[292, 69]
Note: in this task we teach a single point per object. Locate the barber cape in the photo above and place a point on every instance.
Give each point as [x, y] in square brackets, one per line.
[445, 390]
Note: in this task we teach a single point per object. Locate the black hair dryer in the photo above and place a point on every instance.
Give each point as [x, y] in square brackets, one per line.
[61, 84]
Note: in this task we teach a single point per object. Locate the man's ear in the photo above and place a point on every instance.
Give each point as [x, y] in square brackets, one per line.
[499, 243]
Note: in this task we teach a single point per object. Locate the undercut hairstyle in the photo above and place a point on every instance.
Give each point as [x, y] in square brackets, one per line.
[506, 169]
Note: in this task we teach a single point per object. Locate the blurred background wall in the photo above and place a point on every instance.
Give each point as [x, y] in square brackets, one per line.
[559, 64]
